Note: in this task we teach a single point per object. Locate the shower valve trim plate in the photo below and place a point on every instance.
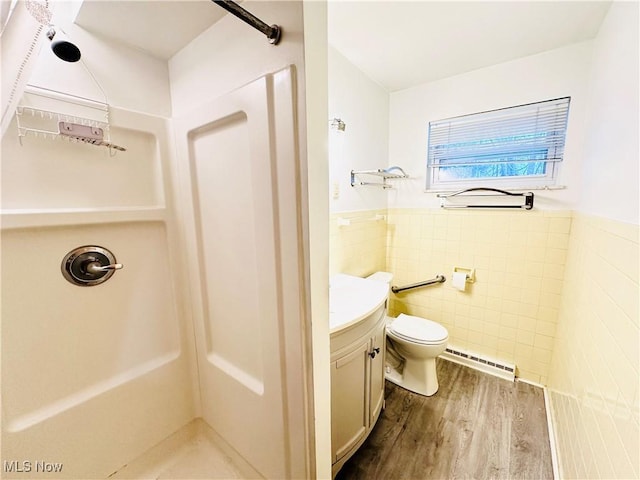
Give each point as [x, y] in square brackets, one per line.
[89, 265]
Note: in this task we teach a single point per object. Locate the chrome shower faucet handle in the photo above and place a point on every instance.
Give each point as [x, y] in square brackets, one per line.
[89, 265]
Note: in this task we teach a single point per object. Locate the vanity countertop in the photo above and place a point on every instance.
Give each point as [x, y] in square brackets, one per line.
[352, 299]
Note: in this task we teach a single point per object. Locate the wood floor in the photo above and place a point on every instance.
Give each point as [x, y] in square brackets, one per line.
[476, 426]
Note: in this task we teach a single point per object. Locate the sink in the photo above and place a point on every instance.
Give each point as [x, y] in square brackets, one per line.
[352, 299]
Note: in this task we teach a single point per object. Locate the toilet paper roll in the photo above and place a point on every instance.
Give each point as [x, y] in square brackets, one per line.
[459, 280]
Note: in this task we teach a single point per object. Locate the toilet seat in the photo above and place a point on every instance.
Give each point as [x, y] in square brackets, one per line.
[418, 330]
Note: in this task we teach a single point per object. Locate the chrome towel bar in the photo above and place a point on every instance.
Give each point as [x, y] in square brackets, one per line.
[385, 173]
[494, 193]
[438, 279]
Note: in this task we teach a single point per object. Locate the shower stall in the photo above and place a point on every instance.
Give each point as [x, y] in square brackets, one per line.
[156, 254]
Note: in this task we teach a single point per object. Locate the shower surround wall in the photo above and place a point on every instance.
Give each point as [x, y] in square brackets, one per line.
[240, 137]
[108, 363]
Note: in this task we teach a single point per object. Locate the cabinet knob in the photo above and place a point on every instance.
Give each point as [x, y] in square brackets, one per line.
[374, 352]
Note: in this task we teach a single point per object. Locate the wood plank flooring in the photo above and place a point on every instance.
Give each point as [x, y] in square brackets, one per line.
[477, 426]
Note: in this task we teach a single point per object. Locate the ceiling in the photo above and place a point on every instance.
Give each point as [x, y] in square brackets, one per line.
[396, 43]
[400, 44]
[160, 28]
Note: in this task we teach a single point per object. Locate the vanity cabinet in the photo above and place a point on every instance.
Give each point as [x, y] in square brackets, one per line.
[357, 384]
[349, 400]
[376, 389]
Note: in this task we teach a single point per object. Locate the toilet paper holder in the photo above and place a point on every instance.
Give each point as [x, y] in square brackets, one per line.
[470, 272]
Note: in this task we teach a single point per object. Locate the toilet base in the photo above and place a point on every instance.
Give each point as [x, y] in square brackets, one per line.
[418, 376]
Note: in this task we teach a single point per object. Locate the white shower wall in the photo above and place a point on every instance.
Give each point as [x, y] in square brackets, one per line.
[245, 261]
[239, 141]
[91, 376]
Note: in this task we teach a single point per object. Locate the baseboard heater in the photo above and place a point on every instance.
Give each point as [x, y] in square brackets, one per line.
[472, 360]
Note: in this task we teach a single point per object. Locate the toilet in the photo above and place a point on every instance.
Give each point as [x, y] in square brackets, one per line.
[417, 341]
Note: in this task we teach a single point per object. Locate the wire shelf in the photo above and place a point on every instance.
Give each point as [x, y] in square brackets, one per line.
[92, 127]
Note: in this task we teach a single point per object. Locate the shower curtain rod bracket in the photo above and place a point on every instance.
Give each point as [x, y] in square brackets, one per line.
[273, 32]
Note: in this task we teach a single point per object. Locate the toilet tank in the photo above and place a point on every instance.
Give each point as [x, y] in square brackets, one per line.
[384, 277]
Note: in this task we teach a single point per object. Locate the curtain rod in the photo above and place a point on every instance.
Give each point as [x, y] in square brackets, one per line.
[272, 32]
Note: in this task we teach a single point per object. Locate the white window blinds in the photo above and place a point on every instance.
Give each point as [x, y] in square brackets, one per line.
[521, 142]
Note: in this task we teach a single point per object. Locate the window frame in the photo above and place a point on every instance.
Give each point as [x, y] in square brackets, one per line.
[546, 180]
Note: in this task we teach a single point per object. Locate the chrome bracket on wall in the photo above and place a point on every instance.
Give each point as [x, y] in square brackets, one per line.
[391, 172]
[492, 198]
[89, 265]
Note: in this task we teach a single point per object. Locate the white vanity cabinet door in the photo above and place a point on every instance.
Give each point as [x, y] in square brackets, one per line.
[377, 372]
[357, 384]
[349, 399]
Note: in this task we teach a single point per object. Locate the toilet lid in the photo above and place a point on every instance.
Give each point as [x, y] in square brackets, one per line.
[418, 329]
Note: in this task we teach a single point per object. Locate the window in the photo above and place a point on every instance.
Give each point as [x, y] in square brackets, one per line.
[517, 146]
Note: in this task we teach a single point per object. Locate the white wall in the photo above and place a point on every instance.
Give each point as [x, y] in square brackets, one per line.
[548, 75]
[610, 169]
[364, 106]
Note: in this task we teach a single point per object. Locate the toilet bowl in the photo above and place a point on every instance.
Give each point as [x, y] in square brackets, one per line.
[419, 341]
